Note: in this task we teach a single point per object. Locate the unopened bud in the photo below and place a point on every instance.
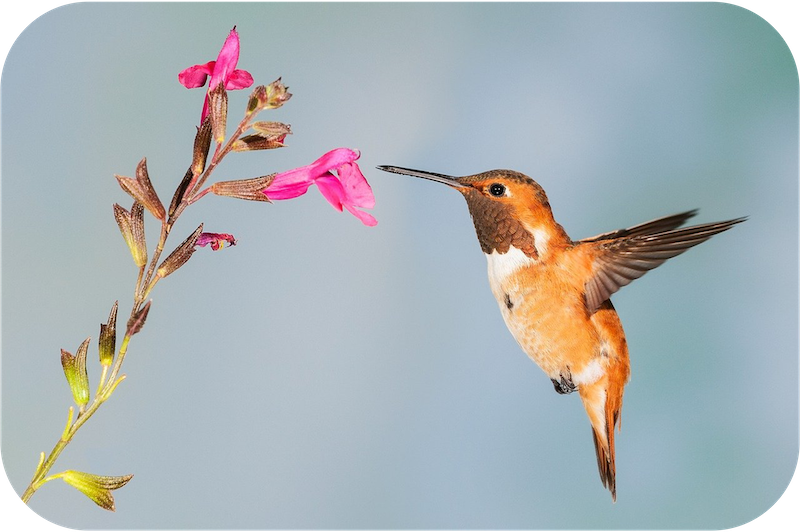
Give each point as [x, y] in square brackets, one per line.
[136, 322]
[75, 371]
[271, 96]
[108, 337]
[141, 190]
[277, 94]
[180, 192]
[202, 143]
[257, 142]
[181, 254]
[97, 488]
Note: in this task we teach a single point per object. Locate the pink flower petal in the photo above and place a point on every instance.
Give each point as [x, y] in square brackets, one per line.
[286, 190]
[334, 159]
[308, 174]
[358, 191]
[365, 217]
[238, 79]
[195, 76]
[332, 190]
[291, 177]
[226, 60]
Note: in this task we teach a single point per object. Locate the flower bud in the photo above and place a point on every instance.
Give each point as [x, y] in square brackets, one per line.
[181, 191]
[277, 94]
[75, 371]
[271, 96]
[141, 190]
[181, 254]
[257, 142]
[268, 135]
[97, 488]
[108, 337]
[136, 322]
[272, 130]
[123, 219]
[131, 225]
[202, 143]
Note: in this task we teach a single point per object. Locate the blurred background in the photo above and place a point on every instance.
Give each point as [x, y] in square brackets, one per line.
[323, 374]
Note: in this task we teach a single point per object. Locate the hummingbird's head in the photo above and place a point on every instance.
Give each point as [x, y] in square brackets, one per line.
[508, 208]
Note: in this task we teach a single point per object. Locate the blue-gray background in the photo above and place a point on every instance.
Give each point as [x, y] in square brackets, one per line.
[323, 374]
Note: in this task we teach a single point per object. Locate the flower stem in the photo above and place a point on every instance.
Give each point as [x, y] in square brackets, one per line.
[145, 282]
[140, 295]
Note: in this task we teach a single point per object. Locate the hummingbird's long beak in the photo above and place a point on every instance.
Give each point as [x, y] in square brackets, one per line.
[439, 178]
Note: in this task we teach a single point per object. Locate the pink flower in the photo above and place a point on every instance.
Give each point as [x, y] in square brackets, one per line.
[217, 240]
[223, 70]
[348, 189]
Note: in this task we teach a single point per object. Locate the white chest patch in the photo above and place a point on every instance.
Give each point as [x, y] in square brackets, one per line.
[501, 265]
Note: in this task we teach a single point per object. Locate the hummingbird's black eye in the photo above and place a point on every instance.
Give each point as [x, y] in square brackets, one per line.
[497, 190]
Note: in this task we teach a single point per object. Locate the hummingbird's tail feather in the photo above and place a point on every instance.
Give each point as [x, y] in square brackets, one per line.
[605, 463]
[603, 405]
[602, 399]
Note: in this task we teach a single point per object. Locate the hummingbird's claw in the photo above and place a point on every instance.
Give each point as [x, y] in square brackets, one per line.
[565, 385]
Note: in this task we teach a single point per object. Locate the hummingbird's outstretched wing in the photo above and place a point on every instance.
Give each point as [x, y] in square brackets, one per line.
[618, 260]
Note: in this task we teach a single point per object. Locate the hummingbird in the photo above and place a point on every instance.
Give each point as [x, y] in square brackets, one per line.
[554, 292]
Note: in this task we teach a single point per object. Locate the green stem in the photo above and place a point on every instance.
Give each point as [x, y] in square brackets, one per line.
[40, 477]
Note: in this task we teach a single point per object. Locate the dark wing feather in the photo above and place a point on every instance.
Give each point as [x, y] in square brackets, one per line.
[659, 225]
[621, 260]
